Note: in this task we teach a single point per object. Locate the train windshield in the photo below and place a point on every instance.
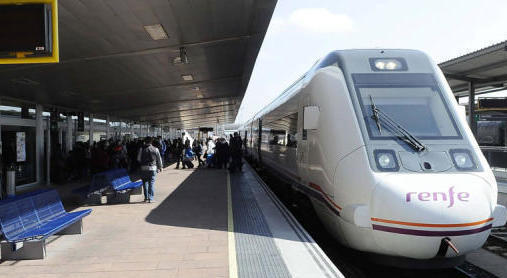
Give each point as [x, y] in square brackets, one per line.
[418, 108]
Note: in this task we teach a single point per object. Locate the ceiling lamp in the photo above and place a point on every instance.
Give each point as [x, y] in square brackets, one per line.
[183, 58]
[187, 77]
[156, 32]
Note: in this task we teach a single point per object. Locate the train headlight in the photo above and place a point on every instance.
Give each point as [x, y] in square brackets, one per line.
[388, 64]
[462, 159]
[386, 160]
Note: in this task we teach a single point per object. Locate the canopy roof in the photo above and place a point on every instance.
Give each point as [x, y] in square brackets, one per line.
[111, 65]
[486, 68]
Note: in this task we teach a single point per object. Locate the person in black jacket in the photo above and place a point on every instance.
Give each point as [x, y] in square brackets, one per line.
[236, 152]
[178, 153]
[151, 163]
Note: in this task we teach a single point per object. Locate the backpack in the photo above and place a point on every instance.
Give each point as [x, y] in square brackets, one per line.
[148, 157]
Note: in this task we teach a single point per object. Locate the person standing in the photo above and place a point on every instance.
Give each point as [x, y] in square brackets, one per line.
[178, 152]
[151, 163]
[236, 152]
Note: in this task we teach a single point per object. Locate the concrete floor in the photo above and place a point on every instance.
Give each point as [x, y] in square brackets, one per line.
[184, 234]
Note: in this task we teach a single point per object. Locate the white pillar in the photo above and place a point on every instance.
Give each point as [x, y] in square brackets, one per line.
[68, 136]
[60, 136]
[121, 128]
[90, 118]
[39, 143]
[107, 127]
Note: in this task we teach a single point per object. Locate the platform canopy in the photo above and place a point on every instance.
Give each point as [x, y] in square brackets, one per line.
[485, 68]
[127, 59]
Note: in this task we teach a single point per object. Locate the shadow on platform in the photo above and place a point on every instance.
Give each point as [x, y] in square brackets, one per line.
[200, 202]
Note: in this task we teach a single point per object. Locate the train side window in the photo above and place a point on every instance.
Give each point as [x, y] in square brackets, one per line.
[283, 132]
[292, 130]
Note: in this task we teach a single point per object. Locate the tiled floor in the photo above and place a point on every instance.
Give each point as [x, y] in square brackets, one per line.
[184, 234]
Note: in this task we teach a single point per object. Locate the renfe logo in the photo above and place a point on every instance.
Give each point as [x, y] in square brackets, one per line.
[439, 196]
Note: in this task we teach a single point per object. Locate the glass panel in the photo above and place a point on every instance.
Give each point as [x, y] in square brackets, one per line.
[18, 150]
[283, 131]
[420, 110]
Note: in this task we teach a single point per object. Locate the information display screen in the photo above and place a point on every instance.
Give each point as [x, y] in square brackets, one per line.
[23, 28]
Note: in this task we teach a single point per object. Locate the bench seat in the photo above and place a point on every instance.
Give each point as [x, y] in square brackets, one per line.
[115, 181]
[33, 217]
[52, 227]
[129, 185]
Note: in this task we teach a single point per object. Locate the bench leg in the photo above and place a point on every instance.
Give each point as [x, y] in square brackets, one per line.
[119, 198]
[137, 191]
[74, 229]
[96, 199]
[31, 250]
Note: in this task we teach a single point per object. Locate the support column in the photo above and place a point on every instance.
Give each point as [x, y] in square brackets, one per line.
[60, 137]
[471, 107]
[39, 143]
[68, 136]
[121, 127]
[48, 153]
[90, 118]
[107, 127]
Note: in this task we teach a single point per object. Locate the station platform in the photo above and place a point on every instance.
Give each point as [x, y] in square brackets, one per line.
[204, 223]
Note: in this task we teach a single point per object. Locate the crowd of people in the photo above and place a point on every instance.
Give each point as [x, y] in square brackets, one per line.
[85, 160]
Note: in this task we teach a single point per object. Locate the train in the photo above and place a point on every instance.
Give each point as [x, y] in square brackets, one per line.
[373, 139]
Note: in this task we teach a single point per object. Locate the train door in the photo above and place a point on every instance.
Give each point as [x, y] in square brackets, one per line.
[303, 145]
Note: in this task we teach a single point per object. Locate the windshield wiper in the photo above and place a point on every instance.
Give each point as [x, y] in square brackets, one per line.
[381, 117]
[375, 116]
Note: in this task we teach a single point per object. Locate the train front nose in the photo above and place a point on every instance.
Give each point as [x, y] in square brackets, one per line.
[412, 213]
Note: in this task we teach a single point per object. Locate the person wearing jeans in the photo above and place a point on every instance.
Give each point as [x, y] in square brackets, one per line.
[151, 163]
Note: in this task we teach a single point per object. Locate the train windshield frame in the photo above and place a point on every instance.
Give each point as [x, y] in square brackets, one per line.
[412, 100]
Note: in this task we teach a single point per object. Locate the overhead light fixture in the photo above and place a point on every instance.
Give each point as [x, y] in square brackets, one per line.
[187, 77]
[177, 60]
[156, 32]
[183, 55]
[183, 58]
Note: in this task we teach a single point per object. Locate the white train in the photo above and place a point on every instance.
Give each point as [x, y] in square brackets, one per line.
[375, 140]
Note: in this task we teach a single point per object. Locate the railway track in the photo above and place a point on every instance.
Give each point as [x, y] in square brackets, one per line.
[350, 262]
[497, 242]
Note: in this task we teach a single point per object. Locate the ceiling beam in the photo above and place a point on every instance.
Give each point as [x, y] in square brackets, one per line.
[144, 108]
[150, 51]
[192, 109]
[174, 85]
[460, 77]
[184, 116]
[486, 67]
[208, 115]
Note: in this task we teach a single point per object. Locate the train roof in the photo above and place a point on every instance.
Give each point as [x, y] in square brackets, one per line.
[331, 58]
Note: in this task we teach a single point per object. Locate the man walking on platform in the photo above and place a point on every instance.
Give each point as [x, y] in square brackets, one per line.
[151, 163]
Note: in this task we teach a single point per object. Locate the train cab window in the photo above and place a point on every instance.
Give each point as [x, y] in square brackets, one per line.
[419, 108]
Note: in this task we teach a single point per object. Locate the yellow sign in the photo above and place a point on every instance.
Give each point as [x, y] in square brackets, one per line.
[23, 57]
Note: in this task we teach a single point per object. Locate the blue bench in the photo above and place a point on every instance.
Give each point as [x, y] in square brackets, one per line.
[28, 220]
[114, 183]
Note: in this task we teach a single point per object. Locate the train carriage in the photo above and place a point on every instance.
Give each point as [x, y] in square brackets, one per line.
[374, 140]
